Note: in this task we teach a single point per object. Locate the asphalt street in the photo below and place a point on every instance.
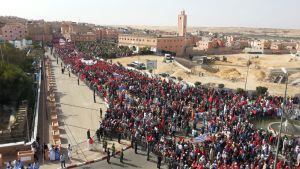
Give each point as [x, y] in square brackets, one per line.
[131, 160]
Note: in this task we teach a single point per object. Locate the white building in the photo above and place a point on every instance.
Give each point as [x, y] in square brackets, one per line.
[21, 44]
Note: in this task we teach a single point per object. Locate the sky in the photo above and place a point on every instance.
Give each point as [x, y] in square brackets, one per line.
[204, 13]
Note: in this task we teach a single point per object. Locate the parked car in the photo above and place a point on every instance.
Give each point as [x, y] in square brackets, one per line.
[140, 66]
[164, 74]
[173, 78]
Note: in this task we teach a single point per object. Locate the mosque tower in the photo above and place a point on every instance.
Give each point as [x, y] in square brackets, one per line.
[182, 20]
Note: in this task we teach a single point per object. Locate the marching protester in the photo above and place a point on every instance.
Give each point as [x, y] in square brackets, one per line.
[62, 160]
[108, 156]
[122, 155]
[154, 110]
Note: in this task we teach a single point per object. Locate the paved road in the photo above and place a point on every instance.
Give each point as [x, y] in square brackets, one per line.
[77, 113]
[132, 160]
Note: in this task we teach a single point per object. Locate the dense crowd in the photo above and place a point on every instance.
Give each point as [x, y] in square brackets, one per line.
[103, 49]
[165, 115]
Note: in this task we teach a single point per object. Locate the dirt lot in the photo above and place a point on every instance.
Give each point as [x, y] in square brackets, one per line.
[233, 72]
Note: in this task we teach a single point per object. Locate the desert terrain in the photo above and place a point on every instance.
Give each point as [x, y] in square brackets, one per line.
[232, 73]
[272, 32]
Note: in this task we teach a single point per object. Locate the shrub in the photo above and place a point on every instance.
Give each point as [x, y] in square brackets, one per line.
[261, 90]
[180, 78]
[197, 83]
[221, 86]
[239, 91]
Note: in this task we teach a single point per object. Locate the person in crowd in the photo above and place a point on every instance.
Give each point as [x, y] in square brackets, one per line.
[62, 161]
[108, 156]
[135, 146]
[35, 165]
[69, 149]
[151, 107]
[113, 150]
[122, 155]
[104, 145]
[88, 134]
[101, 113]
[159, 159]
[9, 165]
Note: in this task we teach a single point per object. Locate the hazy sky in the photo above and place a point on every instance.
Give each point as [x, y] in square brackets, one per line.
[245, 13]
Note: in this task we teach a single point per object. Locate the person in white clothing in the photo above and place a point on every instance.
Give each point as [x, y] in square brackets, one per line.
[69, 151]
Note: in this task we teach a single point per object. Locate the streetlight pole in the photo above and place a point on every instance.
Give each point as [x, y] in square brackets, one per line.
[281, 118]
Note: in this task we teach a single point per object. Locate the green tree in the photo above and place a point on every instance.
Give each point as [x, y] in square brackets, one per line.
[197, 84]
[221, 86]
[261, 90]
[239, 91]
[15, 85]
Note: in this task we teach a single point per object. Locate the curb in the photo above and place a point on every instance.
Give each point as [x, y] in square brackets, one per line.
[95, 160]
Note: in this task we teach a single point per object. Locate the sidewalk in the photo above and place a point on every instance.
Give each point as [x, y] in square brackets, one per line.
[77, 114]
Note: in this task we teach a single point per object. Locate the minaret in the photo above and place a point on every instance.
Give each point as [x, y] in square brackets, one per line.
[182, 19]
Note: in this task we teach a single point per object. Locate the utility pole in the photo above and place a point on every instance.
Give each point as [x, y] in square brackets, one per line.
[248, 64]
[281, 118]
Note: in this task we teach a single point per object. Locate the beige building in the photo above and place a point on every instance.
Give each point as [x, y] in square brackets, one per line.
[106, 34]
[39, 31]
[276, 46]
[66, 30]
[85, 37]
[260, 44]
[176, 44]
[182, 23]
[206, 45]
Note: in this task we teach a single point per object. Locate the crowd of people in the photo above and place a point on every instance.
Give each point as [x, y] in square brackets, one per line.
[104, 49]
[165, 115]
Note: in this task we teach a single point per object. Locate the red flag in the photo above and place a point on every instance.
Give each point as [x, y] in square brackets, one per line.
[210, 99]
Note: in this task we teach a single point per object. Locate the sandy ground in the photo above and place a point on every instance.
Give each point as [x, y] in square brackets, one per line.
[244, 30]
[233, 72]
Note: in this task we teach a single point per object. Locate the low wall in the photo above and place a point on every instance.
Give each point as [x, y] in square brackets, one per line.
[26, 156]
[183, 67]
[11, 149]
[1, 161]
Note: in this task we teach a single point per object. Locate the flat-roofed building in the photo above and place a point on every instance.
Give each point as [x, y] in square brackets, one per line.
[84, 37]
[276, 46]
[176, 44]
[106, 34]
[14, 31]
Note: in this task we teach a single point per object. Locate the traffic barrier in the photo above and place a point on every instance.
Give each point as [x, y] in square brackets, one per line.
[53, 111]
[55, 134]
[55, 125]
[26, 156]
[56, 142]
[54, 118]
